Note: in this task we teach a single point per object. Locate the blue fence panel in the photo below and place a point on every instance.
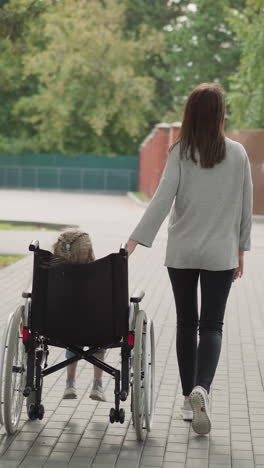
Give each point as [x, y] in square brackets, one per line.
[84, 172]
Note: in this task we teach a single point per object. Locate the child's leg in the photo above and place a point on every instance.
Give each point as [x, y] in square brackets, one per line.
[97, 392]
[70, 390]
[98, 373]
[71, 371]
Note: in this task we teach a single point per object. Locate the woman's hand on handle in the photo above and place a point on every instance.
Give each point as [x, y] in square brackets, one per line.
[240, 269]
[131, 245]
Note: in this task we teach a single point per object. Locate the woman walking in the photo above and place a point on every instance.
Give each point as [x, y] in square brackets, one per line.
[208, 178]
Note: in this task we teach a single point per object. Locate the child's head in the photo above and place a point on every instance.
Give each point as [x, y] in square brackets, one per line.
[74, 247]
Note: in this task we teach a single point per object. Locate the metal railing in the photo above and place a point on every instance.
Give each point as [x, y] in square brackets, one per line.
[61, 178]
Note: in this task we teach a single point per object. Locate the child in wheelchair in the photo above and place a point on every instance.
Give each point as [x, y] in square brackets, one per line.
[76, 247]
[65, 286]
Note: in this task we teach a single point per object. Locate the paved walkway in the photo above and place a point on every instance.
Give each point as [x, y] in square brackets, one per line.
[77, 433]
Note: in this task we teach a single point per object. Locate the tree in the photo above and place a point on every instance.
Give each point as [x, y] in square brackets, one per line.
[155, 14]
[203, 48]
[15, 19]
[158, 15]
[93, 94]
[246, 95]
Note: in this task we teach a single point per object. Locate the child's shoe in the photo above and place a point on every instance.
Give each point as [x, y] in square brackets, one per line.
[186, 410]
[199, 401]
[70, 391]
[97, 392]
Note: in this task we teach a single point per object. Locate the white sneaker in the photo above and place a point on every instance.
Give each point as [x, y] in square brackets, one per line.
[186, 410]
[70, 391]
[199, 401]
[97, 392]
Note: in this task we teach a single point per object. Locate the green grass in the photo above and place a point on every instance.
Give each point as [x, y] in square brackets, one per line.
[6, 260]
[32, 226]
[141, 196]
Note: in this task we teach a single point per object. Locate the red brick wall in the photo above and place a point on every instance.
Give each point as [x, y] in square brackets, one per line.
[253, 141]
[153, 153]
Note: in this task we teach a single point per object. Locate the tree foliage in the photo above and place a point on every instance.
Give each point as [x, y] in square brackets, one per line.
[203, 48]
[96, 75]
[91, 84]
[158, 15]
[15, 20]
[246, 96]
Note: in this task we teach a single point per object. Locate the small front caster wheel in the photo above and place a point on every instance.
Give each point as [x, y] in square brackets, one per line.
[112, 415]
[32, 412]
[41, 411]
[121, 415]
[123, 395]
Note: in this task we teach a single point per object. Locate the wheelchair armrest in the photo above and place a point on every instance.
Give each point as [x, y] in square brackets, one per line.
[123, 249]
[26, 294]
[34, 245]
[137, 296]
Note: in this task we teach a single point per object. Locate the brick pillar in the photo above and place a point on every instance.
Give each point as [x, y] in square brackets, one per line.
[153, 153]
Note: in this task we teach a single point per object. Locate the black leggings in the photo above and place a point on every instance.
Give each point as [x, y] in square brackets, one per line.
[197, 365]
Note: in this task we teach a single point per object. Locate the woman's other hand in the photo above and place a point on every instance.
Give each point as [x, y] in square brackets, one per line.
[131, 245]
[239, 270]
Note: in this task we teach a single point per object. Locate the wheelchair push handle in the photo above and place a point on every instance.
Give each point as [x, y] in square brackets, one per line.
[34, 245]
[123, 250]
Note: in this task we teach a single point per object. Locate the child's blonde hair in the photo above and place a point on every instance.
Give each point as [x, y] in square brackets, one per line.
[74, 247]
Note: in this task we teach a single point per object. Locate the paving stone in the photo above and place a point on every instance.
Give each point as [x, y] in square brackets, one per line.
[112, 440]
[31, 436]
[79, 462]
[241, 445]
[242, 455]
[176, 447]
[108, 449]
[14, 455]
[173, 465]
[129, 455]
[60, 457]
[220, 449]
[241, 437]
[191, 463]
[22, 444]
[175, 456]
[151, 461]
[222, 459]
[218, 465]
[33, 462]
[197, 453]
[120, 464]
[243, 464]
[65, 447]
[89, 442]
[45, 441]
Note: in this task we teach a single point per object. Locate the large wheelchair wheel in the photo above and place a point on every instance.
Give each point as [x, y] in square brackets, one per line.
[15, 372]
[149, 374]
[143, 363]
[3, 364]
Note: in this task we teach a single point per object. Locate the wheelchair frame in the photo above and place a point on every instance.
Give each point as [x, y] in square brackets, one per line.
[23, 365]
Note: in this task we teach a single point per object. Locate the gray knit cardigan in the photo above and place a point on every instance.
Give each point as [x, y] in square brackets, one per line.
[211, 211]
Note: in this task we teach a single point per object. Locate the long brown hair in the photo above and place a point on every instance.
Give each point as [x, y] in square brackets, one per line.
[203, 125]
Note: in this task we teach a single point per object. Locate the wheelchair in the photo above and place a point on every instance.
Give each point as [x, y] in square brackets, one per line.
[86, 304]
